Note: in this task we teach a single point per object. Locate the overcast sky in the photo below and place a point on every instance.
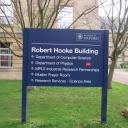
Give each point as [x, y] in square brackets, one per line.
[107, 7]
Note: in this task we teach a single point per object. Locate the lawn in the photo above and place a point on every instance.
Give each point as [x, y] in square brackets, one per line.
[52, 107]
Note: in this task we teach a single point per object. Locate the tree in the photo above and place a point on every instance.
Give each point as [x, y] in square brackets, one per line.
[117, 22]
[34, 14]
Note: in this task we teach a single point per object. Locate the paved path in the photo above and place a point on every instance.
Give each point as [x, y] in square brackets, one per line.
[120, 76]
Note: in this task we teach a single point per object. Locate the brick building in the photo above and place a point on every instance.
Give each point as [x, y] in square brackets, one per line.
[11, 65]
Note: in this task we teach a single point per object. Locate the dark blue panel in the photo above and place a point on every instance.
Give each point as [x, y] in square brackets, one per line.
[64, 57]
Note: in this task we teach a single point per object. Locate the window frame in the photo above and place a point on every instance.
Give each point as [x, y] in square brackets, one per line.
[60, 20]
[7, 7]
[9, 56]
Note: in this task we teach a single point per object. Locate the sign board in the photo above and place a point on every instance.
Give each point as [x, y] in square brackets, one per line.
[61, 57]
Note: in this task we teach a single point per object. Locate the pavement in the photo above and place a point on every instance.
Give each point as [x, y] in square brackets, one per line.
[121, 76]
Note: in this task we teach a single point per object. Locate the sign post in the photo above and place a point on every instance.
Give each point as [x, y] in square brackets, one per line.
[70, 58]
[105, 82]
[24, 103]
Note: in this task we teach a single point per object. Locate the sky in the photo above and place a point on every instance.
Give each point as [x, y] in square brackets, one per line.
[107, 6]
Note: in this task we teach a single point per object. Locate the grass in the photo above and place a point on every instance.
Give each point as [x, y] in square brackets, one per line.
[52, 107]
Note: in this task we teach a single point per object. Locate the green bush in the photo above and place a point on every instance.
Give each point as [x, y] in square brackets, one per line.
[124, 65]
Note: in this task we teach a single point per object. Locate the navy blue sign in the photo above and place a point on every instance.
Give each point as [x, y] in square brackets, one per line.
[54, 57]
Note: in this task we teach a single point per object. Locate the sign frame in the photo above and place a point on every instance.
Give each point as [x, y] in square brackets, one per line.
[25, 78]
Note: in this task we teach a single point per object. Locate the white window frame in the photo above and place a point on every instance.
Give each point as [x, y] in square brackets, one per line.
[8, 55]
[65, 17]
[6, 5]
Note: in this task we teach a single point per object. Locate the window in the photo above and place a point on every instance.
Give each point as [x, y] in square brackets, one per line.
[6, 12]
[65, 17]
[5, 56]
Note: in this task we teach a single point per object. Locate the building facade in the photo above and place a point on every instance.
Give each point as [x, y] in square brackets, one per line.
[11, 64]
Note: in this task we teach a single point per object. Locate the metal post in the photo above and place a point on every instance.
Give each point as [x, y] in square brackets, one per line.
[104, 105]
[24, 103]
[105, 80]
